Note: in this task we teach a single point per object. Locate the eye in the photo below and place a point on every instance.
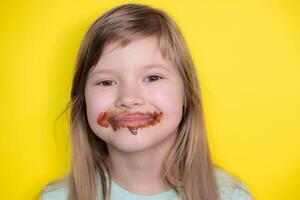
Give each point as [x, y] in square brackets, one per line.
[152, 78]
[106, 83]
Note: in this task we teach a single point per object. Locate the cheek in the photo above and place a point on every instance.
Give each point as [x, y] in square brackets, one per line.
[96, 103]
[169, 98]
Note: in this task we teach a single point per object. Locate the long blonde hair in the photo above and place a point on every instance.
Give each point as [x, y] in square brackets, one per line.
[188, 167]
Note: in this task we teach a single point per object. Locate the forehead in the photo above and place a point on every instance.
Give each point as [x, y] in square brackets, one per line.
[125, 42]
[141, 51]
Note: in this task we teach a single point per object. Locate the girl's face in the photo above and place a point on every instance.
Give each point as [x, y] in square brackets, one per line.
[134, 97]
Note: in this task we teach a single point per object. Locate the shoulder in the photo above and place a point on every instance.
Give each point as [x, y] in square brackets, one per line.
[57, 191]
[231, 188]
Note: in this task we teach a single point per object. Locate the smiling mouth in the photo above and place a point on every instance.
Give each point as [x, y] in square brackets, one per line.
[134, 118]
[130, 121]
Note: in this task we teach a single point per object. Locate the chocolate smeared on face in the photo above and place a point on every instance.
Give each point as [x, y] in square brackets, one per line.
[133, 130]
[126, 120]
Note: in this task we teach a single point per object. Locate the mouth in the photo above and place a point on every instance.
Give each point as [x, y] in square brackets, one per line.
[132, 121]
[133, 118]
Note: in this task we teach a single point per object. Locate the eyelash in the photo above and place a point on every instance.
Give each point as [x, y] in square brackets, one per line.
[105, 81]
[159, 77]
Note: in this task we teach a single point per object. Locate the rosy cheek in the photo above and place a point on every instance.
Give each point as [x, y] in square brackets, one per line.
[167, 95]
[96, 103]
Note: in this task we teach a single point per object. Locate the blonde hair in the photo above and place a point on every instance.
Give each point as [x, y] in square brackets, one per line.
[188, 167]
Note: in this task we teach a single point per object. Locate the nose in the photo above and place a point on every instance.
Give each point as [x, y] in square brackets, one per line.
[129, 97]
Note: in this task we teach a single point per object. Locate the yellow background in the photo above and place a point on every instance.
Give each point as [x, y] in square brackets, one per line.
[247, 56]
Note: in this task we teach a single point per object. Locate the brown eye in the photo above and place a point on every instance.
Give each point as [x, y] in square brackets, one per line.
[106, 83]
[153, 78]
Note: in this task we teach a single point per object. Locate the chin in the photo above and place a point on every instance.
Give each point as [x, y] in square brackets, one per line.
[123, 140]
[145, 140]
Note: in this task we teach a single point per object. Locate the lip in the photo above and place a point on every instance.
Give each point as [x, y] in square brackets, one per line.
[134, 118]
[132, 121]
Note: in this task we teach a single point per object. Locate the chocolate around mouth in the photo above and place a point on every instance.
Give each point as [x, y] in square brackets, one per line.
[106, 119]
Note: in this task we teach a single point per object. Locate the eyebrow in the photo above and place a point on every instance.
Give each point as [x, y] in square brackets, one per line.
[145, 67]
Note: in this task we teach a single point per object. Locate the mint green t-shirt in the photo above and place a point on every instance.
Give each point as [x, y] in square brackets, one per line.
[229, 188]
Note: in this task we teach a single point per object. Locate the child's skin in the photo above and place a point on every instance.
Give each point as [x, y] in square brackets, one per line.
[129, 84]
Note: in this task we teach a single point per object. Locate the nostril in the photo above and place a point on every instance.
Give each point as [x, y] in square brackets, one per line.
[129, 104]
[129, 101]
[129, 95]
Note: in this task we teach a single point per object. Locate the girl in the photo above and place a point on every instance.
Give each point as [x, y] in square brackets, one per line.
[136, 116]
